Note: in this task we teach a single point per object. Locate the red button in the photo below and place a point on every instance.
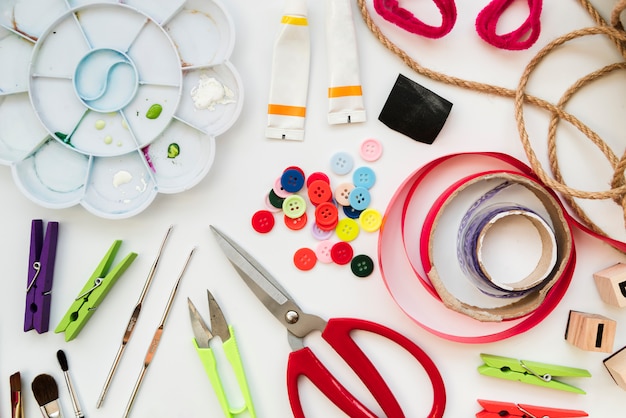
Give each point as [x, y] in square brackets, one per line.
[341, 253]
[319, 192]
[318, 175]
[326, 214]
[263, 221]
[295, 224]
[305, 259]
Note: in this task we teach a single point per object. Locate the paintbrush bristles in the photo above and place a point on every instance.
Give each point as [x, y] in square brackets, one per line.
[45, 389]
[15, 382]
[62, 360]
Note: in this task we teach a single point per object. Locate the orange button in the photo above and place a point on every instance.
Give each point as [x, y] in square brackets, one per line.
[319, 192]
[326, 214]
[305, 259]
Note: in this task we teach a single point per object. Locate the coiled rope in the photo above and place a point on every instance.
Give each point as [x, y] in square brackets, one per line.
[615, 32]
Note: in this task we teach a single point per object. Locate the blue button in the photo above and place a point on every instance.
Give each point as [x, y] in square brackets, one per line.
[364, 177]
[360, 198]
[292, 180]
[352, 213]
[341, 163]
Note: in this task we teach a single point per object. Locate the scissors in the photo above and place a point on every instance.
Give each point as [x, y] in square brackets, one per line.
[336, 331]
[202, 337]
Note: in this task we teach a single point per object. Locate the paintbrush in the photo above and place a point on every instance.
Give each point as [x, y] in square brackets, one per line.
[17, 406]
[46, 393]
[65, 367]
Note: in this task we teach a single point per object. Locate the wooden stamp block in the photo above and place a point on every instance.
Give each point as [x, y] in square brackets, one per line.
[611, 284]
[616, 365]
[590, 332]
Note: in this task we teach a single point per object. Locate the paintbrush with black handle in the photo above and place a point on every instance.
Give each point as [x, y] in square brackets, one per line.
[46, 393]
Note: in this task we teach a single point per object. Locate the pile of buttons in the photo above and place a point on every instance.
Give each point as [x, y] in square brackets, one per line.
[340, 212]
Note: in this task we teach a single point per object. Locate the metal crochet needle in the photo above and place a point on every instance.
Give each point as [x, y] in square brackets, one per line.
[156, 338]
[132, 321]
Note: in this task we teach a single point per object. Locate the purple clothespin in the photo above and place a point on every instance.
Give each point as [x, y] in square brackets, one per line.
[40, 274]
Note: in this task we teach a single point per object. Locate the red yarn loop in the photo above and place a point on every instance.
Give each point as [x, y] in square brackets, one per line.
[521, 38]
[391, 11]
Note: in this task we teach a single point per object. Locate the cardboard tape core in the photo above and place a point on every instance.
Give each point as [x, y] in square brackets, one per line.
[472, 239]
[561, 249]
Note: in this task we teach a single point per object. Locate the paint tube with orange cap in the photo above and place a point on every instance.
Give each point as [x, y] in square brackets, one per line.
[345, 97]
[286, 110]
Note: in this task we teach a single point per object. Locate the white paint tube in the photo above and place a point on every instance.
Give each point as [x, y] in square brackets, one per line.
[345, 97]
[286, 110]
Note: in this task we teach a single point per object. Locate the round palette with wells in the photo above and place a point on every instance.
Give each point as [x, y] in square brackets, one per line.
[106, 104]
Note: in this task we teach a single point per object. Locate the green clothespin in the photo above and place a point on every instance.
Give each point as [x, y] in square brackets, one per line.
[532, 372]
[94, 291]
[202, 336]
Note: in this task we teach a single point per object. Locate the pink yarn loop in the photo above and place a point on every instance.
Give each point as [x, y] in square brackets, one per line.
[521, 38]
[391, 11]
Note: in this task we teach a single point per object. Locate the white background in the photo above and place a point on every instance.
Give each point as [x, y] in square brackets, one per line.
[245, 168]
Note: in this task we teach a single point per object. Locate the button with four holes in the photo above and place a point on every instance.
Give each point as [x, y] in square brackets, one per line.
[342, 193]
[319, 192]
[341, 163]
[370, 220]
[292, 180]
[263, 221]
[360, 198]
[322, 250]
[341, 253]
[295, 224]
[320, 234]
[362, 265]
[279, 190]
[347, 229]
[326, 214]
[294, 206]
[352, 213]
[371, 149]
[318, 175]
[364, 177]
[275, 200]
[304, 259]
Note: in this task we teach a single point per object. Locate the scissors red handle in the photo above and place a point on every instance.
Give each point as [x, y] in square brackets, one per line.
[337, 333]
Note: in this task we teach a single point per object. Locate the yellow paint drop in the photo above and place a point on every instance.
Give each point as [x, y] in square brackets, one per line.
[100, 124]
[108, 139]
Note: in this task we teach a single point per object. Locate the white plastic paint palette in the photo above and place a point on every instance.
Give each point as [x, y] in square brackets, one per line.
[106, 104]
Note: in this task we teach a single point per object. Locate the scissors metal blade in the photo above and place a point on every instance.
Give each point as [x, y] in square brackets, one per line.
[201, 331]
[219, 326]
[267, 289]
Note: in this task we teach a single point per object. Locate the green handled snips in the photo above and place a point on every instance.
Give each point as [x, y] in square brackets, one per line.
[203, 336]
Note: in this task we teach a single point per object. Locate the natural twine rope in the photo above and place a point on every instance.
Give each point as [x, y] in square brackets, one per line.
[616, 34]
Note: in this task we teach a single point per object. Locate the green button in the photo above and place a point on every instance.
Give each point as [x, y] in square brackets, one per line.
[362, 265]
[294, 206]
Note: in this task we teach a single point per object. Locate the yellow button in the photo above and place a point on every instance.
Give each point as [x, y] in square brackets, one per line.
[347, 229]
[370, 220]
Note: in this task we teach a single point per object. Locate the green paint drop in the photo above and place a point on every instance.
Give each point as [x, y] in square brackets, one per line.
[63, 137]
[173, 150]
[154, 111]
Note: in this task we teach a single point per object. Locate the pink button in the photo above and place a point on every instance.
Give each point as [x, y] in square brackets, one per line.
[279, 190]
[371, 149]
[322, 250]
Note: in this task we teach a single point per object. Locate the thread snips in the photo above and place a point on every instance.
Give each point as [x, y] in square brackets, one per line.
[202, 337]
[40, 274]
[93, 292]
[532, 372]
